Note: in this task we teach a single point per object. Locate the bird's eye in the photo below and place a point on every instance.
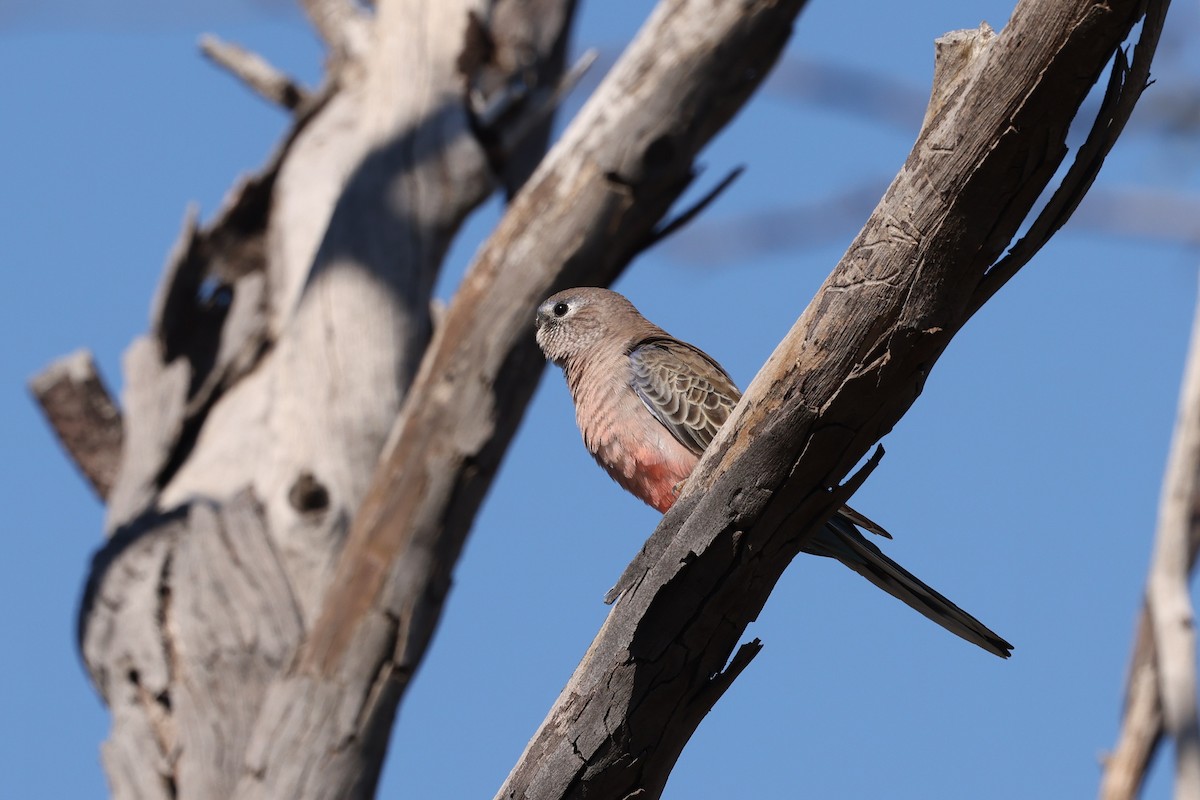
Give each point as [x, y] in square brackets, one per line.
[561, 309]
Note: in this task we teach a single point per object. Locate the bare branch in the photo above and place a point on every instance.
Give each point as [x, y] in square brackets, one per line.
[1171, 614]
[259, 75]
[681, 220]
[1141, 722]
[1161, 687]
[1125, 86]
[853, 363]
[83, 415]
[955, 52]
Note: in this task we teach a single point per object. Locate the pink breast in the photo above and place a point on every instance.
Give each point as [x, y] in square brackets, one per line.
[649, 466]
[628, 442]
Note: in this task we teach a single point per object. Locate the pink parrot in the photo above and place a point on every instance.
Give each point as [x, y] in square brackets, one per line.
[648, 405]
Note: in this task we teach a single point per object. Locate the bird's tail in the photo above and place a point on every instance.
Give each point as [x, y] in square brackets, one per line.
[841, 540]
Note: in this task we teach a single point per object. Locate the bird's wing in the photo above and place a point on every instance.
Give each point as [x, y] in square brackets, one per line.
[684, 388]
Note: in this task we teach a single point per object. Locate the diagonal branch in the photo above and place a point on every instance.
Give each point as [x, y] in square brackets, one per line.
[851, 366]
[1168, 602]
[685, 217]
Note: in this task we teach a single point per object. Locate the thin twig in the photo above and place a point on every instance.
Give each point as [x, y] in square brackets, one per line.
[687, 215]
[256, 72]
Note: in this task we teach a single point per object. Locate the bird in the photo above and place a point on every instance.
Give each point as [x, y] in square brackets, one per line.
[648, 404]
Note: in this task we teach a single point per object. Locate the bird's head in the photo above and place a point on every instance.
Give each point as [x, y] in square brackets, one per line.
[572, 323]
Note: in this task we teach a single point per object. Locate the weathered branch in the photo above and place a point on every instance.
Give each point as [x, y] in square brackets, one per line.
[84, 417]
[853, 363]
[1160, 695]
[1172, 618]
[1125, 86]
[599, 192]
[954, 54]
[259, 75]
[1141, 722]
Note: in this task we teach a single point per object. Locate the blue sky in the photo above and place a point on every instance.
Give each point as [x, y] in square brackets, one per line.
[1023, 484]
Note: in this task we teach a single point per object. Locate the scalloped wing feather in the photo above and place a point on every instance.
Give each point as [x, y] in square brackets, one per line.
[684, 388]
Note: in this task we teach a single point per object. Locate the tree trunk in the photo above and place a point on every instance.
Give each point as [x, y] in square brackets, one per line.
[284, 339]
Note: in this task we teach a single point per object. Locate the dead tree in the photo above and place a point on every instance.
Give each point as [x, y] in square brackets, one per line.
[300, 450]
[303, 447]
